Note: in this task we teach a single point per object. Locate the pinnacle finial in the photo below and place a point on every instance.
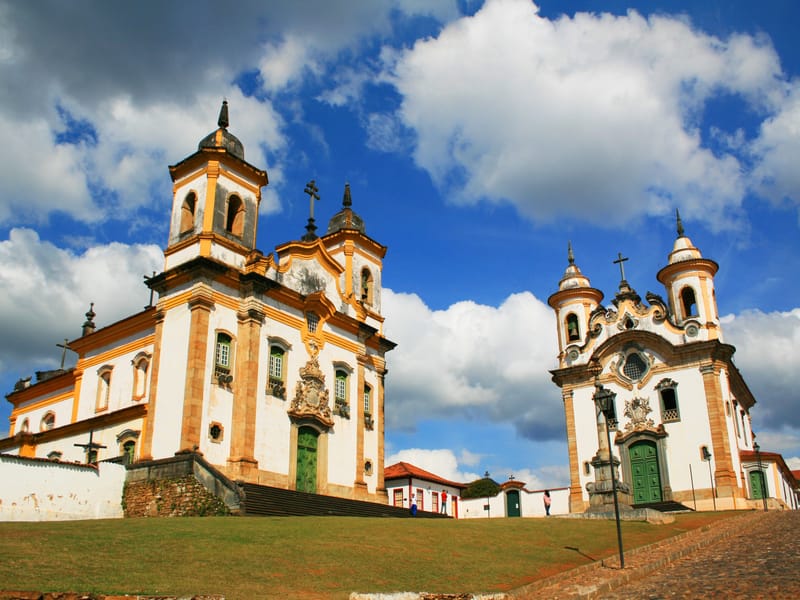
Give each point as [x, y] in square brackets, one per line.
[88, 325]
[570, 255]
[679, 223]
[347, 200]
[223, 115]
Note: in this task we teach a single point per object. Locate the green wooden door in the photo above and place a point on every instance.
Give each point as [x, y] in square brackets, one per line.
[306, 460]
[512, 503]
[644, 469]
[757, 485]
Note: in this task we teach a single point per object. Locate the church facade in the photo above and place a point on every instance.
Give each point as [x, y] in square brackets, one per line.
[270, 366]
[680, 425]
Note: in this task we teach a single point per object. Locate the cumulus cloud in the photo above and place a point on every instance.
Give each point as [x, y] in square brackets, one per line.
[474, 361]
[63, 64]
[441, 462]
[766, 354]
[47, 290]
[444, 463]
[594, 115]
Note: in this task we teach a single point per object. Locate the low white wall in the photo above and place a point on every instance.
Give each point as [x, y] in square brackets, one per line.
[45, 490]
[532, 504]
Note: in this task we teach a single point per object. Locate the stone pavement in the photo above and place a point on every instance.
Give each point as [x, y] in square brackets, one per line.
[756, 555]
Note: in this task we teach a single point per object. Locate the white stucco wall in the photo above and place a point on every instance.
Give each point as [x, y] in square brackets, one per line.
[531, 504]
[42, 490]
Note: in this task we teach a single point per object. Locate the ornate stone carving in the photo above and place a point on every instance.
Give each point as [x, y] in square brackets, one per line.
[311, 396]
[637, 410]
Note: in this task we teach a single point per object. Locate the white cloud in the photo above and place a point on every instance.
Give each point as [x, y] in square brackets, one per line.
[766, 354]
[777, 150]
[48, 289]
[593, 115]
[480, 361]
[441, 462]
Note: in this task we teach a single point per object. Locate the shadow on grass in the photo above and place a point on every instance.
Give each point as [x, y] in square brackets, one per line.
[579, 551]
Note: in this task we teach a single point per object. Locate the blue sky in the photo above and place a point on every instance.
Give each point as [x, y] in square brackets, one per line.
[478, 139]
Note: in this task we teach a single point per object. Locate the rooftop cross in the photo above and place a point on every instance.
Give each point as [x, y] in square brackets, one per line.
[619, 262]
[66, 347]
[311, 190]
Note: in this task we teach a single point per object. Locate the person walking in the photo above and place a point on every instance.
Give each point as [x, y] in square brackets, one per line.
[444, 502]
[413, 505]
[547, 501]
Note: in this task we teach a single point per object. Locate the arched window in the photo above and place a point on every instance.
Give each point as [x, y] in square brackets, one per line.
[223, 358]
[366, 286]
[234, 222]
[48, 421]
[688, 302]
[187, 212]
[277, 372]
[573, 332]
[127, 445]
[103, 388]
[141, 365]
[26, 426]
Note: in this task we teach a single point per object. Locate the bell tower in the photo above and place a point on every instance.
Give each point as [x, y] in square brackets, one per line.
[689, 282]
[216, 195]
[574, 303]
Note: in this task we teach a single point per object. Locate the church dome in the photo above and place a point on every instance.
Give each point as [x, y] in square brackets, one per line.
[346, 218]
[222, 138]
[683, 249]
[573, 278]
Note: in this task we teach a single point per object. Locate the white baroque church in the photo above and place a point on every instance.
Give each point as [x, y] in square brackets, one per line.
[272, 367]
[680, 423]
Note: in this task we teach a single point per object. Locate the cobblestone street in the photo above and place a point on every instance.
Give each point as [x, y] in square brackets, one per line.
[755, 556]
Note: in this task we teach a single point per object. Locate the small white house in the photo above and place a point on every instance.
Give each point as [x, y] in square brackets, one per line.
[407, 484]
[515, 500]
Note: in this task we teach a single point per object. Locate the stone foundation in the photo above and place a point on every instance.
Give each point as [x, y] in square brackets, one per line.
[181, 497]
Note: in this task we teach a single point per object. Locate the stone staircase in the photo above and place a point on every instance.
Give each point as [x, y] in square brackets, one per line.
[262, 500]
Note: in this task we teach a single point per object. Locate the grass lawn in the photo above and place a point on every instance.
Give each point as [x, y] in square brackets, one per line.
[308, 557]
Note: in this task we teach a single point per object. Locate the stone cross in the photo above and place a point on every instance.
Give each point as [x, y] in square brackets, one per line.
[619, 262]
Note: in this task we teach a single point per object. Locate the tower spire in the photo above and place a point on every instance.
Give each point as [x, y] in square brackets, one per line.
[679, 223]
[570, 255]
[223, 115]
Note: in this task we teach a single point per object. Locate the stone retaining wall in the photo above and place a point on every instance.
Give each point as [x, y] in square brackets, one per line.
[180, 497]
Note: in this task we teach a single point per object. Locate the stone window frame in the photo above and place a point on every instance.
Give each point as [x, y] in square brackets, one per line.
[342, 375]
[126, 437]
[572, 319]
[223, 371]
[219, 436]
[140, 375]
[48, 421]
[369, 422]
[664, 387]
[276, 384]
[235, 213]
[188, 213]
[367, 294]
[103, 397]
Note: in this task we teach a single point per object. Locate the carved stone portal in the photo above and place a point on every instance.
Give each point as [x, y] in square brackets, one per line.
[311, 397]
[637, 410]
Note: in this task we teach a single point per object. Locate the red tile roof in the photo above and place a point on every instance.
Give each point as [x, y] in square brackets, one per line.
[404, 470]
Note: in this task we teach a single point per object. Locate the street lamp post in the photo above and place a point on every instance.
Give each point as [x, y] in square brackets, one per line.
[604, 401]
[757, 448]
